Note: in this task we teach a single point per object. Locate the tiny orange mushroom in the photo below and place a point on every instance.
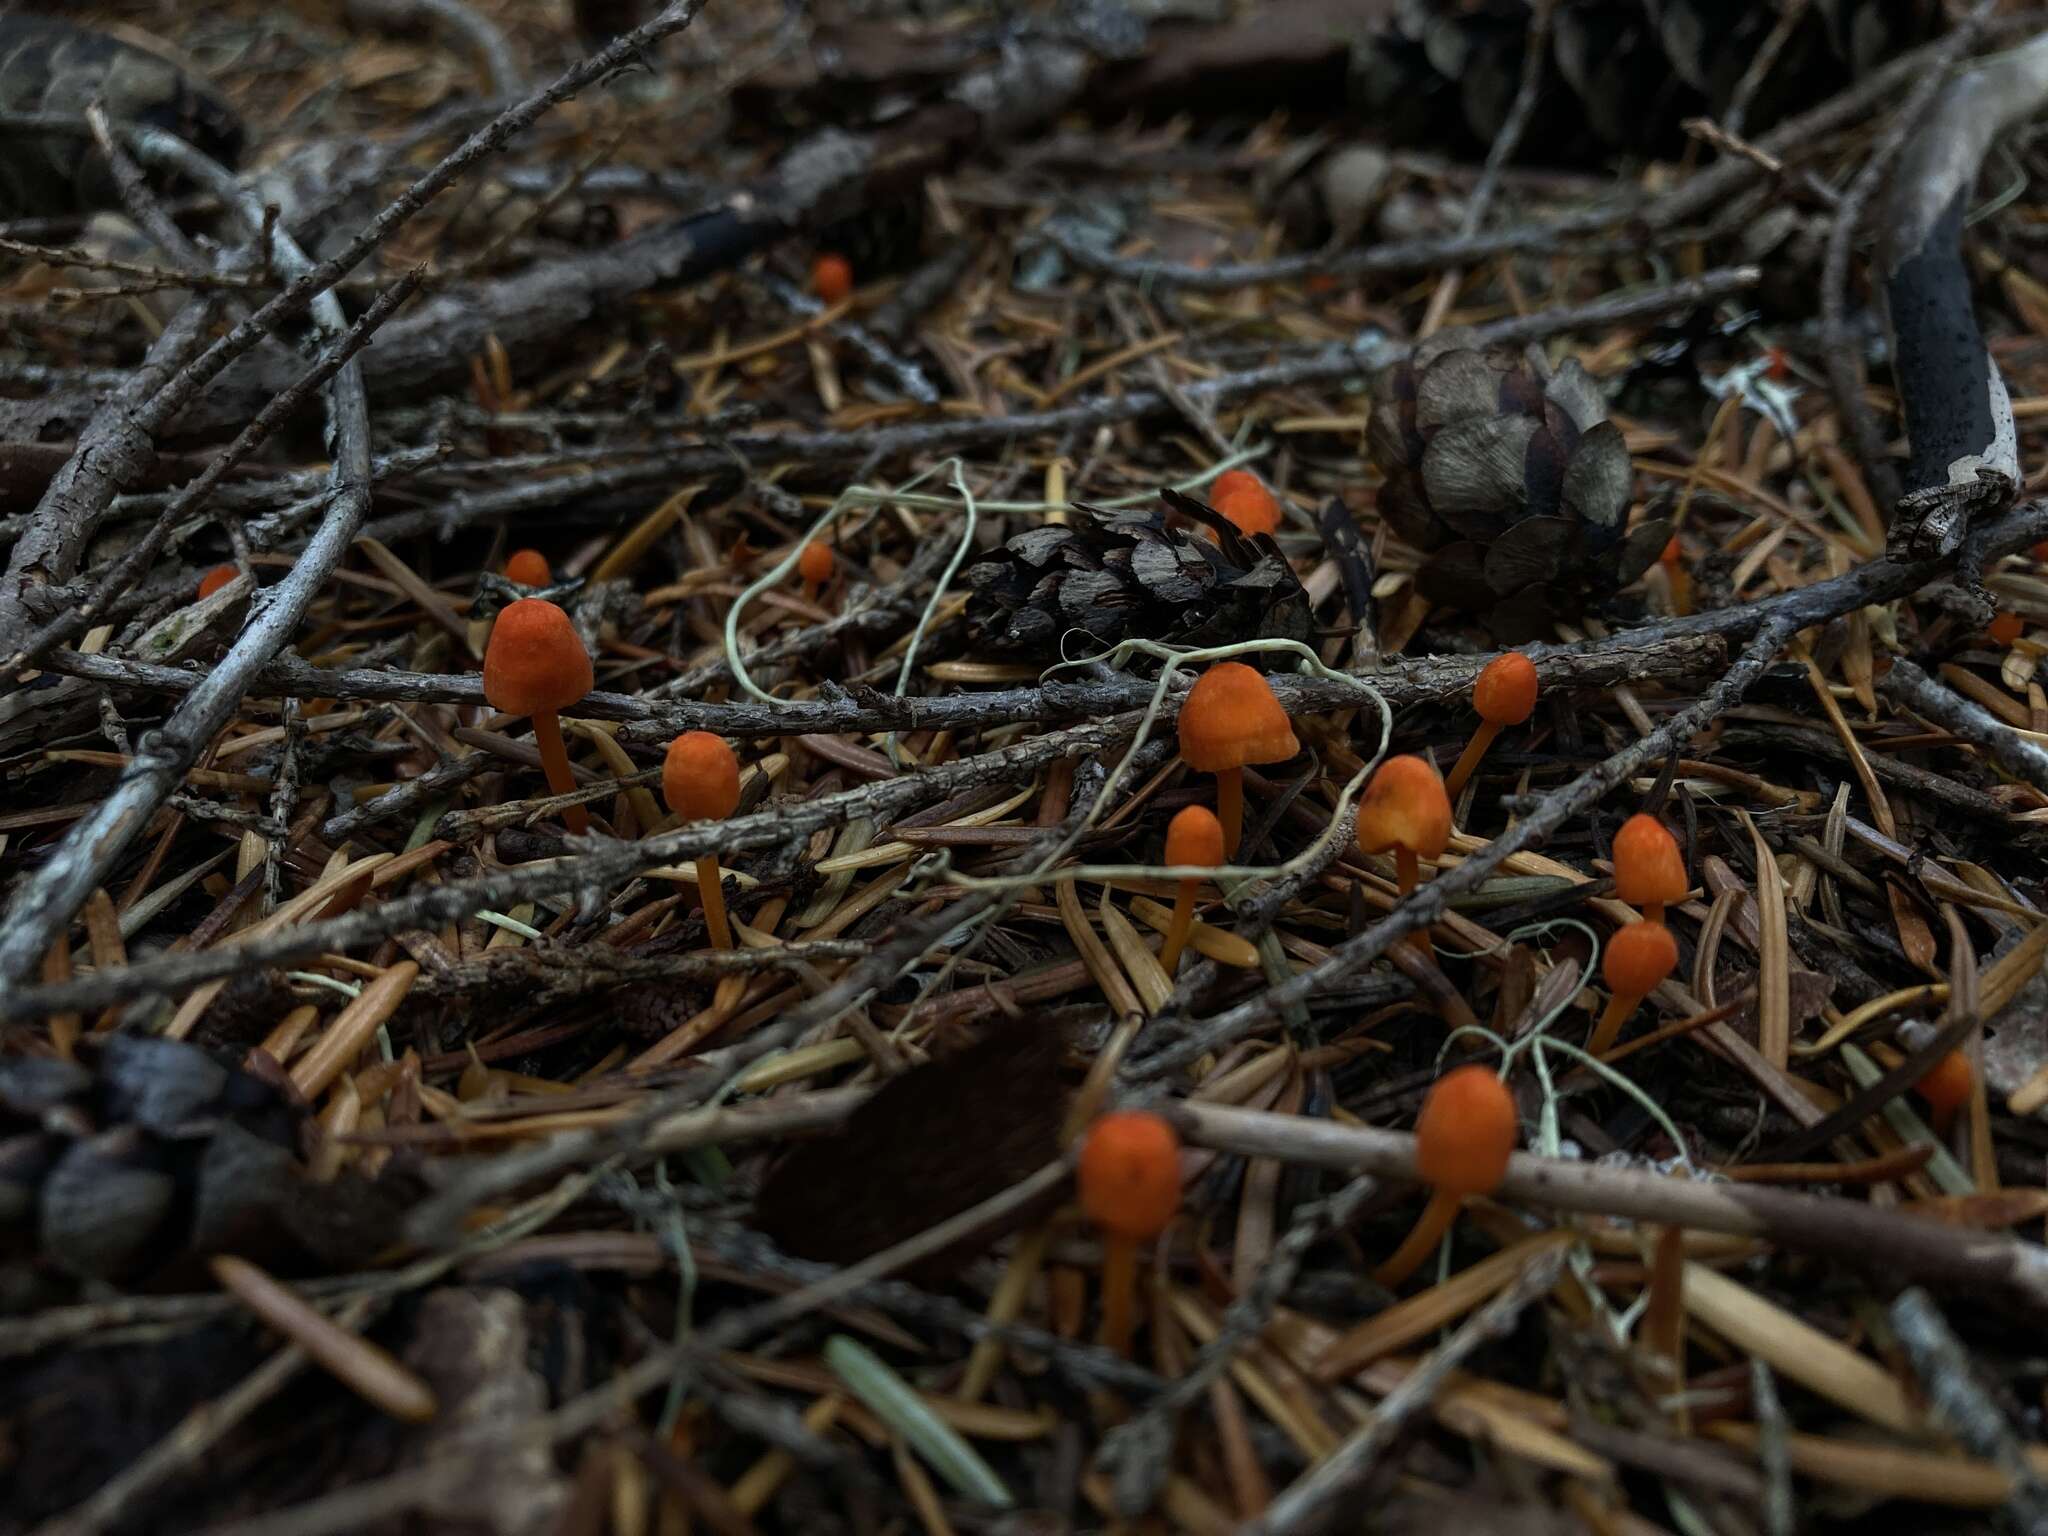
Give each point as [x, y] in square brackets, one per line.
[815, 564]
[832, 278]
[1503, 694]
[536, 665]
[700, 779]
[1638, 959]
[1193, 837]
[1406, 810]
[1250, 507]
[1463, 1139]
[1129, 1178]
[214, 580]
[528, 568]
[2005, 628]
[1230, 482]
[1230, 718]
[1946, 1089]
[1649, 871]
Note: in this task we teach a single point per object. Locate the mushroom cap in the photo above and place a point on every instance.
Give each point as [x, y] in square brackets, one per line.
[1638, 958]
[700, 778]
[2005, 628]
[1648, 868]
[535, 663]
[215, 579]
[1130, 1174]
[1231, 718]
[1194, 836]
[1948, 1085]
[832, 277]
[528, 567]
[1505, 690]
[814, 562]
[1405, 807]
[1230, 482]
[1467, 1129]
[1251, 507]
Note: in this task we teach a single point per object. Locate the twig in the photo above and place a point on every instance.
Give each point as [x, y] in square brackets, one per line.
[1958, 1402]
[1908, 686]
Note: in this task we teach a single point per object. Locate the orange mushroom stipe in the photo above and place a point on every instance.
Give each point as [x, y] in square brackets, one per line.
[2005, 628]
[536, 665]
[528, 567]
[1503, 694]
[700, 779]
[1230, 719]
[1680, 579]
[1946, 1089]
[1194, 836]
[1406, 810]
[1637, 960]
[1463, 1139]
[1130, 1188]
[214, 580]
[832, 278]
[815, 563]
[1649, 871]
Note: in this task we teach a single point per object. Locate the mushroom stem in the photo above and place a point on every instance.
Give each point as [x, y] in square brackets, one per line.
[809, 590]
[1407, 875]
[1230, 807]
[1183, 922]
[1475, 749]
[714, 901]
[1119, 1291]
[1653, 911]
[1619, 1007]
[1429, 1230]
[554, 762]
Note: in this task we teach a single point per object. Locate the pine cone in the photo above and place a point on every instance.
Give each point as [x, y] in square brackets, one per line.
[1625, 73]
[1516, 489]
[131, 1168]
[1128, 575]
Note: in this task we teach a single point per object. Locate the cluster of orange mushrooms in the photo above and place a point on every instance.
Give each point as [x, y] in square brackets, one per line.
[1129, 1171]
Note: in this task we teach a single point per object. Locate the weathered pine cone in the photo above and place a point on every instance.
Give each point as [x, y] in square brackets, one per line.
[1515, 488]
[1127, 575]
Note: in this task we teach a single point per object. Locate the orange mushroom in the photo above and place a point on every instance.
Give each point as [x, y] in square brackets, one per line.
[1463, 1139]
[1230, 482]
[1405, 809]
[1637, 960]
[1130, 1188]
[832, 278]
[700, 779]
[214, 580]
[1194, 836]
[1946, 1089]
[1649, 871]
[528, 568]
[1504, 693]
[1230, 718]
[1679, 578]
[2005, 628]
[1247, 503]
[536, 665]
[814, 563]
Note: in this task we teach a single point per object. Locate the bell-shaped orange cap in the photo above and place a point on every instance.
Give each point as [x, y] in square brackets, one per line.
[1639, 958]
[815, 563]
[832, 277]
[1405, 807]
[1229, 483]
[1648, 870]
[700, 778]
[1231, 718]
[1947, 1087]
[528, 567]
[1466, 1132]
[1130, 1174]
[1194, 837]
[1505, 691]
[214, 580]
[1250, 507]
[535, 663]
